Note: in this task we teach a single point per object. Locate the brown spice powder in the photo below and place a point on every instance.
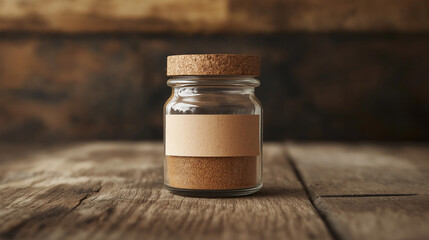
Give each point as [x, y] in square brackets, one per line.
[211, 172]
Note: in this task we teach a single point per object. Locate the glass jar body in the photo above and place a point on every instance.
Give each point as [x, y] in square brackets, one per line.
[211, 99]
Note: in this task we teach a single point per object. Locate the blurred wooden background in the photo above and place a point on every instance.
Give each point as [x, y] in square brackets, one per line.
[331, 70]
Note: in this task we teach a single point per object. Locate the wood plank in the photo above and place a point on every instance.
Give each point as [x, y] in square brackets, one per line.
[387, 217]
[195, 16]
[114, 190]
[356, 169]
[366, 191]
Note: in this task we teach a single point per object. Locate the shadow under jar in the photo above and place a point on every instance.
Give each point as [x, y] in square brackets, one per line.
[213, 126]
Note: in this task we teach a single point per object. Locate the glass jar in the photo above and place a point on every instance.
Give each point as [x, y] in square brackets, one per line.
[213, 128]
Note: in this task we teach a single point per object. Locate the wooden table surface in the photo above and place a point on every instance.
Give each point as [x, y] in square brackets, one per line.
[113, 190]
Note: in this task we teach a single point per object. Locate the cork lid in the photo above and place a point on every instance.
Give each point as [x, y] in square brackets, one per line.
[213, 64]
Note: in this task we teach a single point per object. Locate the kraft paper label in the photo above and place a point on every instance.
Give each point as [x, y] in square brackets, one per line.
[212, 135]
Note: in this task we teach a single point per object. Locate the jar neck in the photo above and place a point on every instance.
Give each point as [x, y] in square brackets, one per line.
[214, 81]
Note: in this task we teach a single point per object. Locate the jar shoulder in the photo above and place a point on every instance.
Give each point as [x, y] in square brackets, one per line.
[206, 104]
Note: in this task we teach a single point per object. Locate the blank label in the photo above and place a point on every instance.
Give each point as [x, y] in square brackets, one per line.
[212, 135]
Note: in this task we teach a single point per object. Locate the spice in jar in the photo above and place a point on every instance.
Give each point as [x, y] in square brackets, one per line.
[213, 125]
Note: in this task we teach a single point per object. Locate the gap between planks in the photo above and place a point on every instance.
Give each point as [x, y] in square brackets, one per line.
[298, 175]
[314, 197]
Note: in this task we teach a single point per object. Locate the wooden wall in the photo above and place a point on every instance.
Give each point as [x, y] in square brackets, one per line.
[334, 70]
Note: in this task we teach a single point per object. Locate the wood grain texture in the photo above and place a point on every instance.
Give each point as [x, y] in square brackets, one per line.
[193, 16]
[378, 217]
[114, 190]
[366, 191]
[313, 87]
[359, 169]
